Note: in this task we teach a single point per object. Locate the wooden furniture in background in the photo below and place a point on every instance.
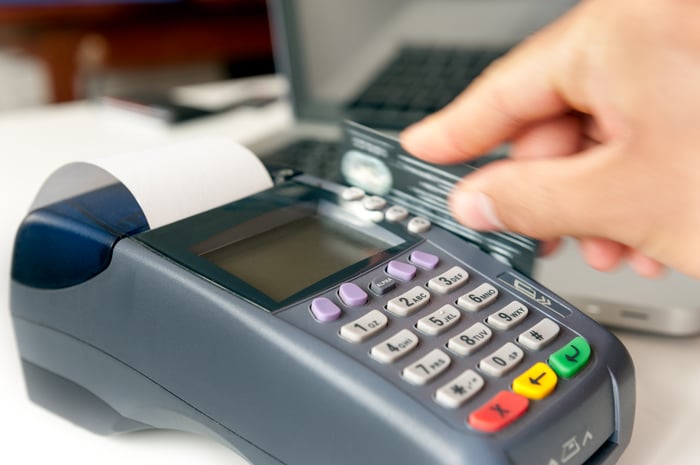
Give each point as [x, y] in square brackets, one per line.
[73, 39]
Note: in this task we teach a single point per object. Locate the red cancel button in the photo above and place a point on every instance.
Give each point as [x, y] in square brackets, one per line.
[503, 409]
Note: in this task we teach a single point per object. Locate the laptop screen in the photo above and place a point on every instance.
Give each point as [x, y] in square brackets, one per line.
[338, 54]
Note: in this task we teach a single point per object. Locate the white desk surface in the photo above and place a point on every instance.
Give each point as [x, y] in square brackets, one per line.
[33, 143]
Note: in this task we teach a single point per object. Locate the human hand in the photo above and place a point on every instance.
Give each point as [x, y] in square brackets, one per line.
[602, 109]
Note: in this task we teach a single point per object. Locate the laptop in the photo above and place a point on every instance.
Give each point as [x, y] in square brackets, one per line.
[388, 63]
[384, 63]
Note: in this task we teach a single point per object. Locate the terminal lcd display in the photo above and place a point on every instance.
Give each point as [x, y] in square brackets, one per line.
[289, 258]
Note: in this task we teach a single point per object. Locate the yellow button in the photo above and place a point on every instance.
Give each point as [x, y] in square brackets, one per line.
[537, 382]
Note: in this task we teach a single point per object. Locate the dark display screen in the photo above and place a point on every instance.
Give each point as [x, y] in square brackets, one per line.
[289, 258]
[283, 245]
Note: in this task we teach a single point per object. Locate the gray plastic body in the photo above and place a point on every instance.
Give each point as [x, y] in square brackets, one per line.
[166, 348]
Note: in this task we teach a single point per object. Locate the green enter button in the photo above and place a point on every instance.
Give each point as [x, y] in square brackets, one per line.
[569, 360]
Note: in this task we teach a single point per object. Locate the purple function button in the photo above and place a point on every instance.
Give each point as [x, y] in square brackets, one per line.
[401, 270]
[424, 259]
[324, 309]
[352, 295]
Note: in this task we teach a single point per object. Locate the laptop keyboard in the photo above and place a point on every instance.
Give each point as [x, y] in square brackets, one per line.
[417, 82]
[310, 156]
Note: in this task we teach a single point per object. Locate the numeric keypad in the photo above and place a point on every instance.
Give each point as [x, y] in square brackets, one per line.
[442, 333]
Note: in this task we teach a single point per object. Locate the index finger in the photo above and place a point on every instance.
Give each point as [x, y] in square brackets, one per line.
[515, 92]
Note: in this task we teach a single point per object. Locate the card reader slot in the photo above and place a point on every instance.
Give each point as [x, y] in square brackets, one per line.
[603, 453]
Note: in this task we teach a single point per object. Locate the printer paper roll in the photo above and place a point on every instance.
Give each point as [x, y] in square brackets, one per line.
[169, 183]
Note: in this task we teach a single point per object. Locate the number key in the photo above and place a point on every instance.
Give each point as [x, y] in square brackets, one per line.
[439, 321]
[470, 340]
[503, 360]
[448, 281]
[508, 316]
[409, 302]
[364, 327]
[395, 347]
[427, 367]
[478, 298]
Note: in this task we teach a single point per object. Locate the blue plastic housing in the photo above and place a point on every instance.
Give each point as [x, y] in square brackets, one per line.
[69, 242]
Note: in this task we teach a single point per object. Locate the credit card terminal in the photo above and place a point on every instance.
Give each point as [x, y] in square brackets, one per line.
[310, 324]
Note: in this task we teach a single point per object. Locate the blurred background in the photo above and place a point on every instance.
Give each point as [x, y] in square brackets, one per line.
[63, 50]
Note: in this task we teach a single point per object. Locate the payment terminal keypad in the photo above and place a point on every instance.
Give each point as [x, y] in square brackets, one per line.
[462, 343]
[457, 340]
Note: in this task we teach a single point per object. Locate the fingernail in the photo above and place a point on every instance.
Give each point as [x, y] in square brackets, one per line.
[476, 210]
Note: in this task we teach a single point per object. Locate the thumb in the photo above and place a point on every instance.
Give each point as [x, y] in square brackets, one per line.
[579, 195]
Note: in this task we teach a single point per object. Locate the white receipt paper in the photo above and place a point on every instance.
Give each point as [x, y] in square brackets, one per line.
[169, 183]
